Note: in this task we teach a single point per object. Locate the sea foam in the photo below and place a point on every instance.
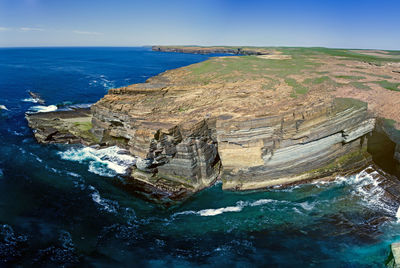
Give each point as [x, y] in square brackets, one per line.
[42, 109]
[398, 214]
[3, 107]
[106, 204]
[366, 186]
[105, 162]
[30, 100]
[237, 208]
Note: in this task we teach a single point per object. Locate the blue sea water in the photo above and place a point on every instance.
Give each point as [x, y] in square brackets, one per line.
[60, 207]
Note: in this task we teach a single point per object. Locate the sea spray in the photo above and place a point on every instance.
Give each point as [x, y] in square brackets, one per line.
[105, 204]
[398, 214]
[237, 208]
[30, 100]
[106, 162]
[42, 109]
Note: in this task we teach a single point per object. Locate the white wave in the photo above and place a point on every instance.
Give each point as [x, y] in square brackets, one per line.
[103, 81]
[297, 211]
[307, 206]
[366, 186]
[106, 162]
[261, 202]
[30, 100]
[42, 109]
[54, 170]
[213, 212]
[3, 107]
[187, 212]
[17, 133]
[398, 214]
[106, 204]
[36, 157]
[217, 211]
[73, 174]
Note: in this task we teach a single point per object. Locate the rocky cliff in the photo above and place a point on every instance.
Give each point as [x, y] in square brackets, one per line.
[217, 50]
[252, 121]
[254, 151]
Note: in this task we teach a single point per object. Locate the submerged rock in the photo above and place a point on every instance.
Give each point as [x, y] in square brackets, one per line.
[36, 97]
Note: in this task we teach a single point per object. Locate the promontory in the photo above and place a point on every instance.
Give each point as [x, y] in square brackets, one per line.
[255, 118]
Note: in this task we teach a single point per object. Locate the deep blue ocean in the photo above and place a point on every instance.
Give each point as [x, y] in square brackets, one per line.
[60, 207]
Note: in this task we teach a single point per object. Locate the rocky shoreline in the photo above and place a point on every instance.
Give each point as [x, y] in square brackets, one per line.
[186, 134]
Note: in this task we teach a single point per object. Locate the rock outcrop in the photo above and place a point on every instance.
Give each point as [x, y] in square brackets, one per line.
[70, 127]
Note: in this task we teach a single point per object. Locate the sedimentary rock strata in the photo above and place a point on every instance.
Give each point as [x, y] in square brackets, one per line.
[69, 127]
[254, 151]
[253, 122]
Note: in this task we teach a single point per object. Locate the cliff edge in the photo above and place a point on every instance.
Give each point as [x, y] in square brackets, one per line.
[273, 117]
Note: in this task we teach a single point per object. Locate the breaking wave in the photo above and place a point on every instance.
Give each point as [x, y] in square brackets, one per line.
[239, 207]
[106, 162]
[102, 81]
[398, 214]
[42, 109]
[364, 187]
[30, 100]
[106, 204]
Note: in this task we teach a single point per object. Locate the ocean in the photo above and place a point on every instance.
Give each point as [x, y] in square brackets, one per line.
[60, 206]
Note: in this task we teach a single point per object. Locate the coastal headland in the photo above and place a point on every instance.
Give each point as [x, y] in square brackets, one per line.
[270, 117]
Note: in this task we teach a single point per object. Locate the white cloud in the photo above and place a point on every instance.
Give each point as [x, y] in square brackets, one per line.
[3, 29]
[26, 29]
[87, 33]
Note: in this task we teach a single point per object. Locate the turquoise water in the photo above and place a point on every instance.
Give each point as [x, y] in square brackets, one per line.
[59, 205]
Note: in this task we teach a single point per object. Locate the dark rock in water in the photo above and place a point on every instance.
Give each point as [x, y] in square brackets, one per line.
[166, 193]
[36, 97]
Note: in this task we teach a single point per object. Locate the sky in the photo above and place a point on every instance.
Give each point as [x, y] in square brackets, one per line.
[327, 23]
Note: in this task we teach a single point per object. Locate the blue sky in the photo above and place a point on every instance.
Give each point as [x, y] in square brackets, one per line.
[339, 23]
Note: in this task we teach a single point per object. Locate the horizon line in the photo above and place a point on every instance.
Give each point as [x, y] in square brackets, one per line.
[149, 46]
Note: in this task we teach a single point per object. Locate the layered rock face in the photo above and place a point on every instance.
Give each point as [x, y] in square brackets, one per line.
[252, 121]
[294, 146]
[191, 150]
[69, 127]
[171, 155]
